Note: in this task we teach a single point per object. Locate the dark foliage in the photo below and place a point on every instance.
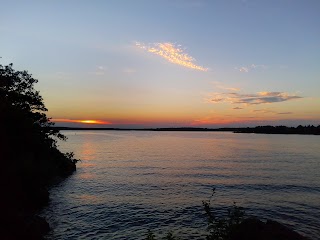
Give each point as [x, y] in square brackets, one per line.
[234, 226]
[18, 98]
[222, 227]
[310, 129]
[219, 227]
[168, 236]
[29, 155]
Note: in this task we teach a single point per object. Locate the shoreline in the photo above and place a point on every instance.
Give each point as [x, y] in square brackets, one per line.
[27, 180]
[256, 130]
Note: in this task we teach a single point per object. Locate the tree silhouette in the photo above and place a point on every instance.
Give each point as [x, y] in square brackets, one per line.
[29, 156]
[18, 97]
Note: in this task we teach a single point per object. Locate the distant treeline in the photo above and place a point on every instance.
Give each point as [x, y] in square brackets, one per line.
[310, 129]
[150, 129]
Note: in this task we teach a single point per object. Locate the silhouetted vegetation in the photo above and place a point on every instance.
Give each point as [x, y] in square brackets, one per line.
[168, 236]
[220, 227]
[307, 130]
[234, 226]
[310, 130]
[29, 156]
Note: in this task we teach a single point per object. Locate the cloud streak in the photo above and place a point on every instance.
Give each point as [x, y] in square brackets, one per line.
[99, 71]
[221, 86]
[252, 99]
[246, 69]
[285, 113]
[267, 111]
[172, 53]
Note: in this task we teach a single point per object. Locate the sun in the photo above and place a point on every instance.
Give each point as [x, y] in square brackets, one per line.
[92, 122]
[85, 121]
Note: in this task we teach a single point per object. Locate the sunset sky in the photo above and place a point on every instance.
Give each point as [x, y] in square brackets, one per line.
[169, 63]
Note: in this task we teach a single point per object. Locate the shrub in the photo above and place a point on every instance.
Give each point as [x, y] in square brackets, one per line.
[219, 227]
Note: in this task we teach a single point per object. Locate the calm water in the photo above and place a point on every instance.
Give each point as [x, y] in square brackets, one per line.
[129, 182]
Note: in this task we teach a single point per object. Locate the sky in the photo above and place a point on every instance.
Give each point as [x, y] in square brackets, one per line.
[191, 63]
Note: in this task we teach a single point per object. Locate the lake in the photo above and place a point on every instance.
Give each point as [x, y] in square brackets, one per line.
[131, 181]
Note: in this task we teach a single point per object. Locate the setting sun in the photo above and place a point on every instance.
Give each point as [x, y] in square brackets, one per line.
[80, 121]
[93, 122]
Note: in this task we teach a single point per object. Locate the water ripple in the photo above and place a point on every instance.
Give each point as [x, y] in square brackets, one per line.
[129, 182]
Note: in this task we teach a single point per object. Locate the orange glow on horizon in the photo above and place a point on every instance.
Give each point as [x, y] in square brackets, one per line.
[81, 121]
[219, 120]
[92, 121]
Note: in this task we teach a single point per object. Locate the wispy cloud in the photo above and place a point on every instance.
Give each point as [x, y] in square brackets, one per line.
[252, 99]
[172, 53]
[285, 113]
[263, 111]
[243, 69]
[224, 87]
[246, 69]
[268, 111]
[99, 71]
[237, 108]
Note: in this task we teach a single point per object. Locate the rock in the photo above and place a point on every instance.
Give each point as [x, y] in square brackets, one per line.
[36, 227]
[16, 227]
[249, 229]
[37, 196]
[279, 231]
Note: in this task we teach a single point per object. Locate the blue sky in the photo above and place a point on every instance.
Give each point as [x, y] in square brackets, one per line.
[121, 62]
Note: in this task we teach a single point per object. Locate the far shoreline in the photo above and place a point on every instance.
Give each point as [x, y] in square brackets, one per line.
[300, 130]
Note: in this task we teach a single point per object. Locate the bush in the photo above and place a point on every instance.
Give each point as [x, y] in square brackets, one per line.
[219, 227]
[27, 134]
[29, 155]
